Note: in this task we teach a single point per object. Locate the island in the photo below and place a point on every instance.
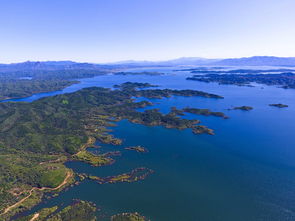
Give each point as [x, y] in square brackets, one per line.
[285, 80]
[205, 112]
[279, 105]
[138, 149]
[224, 70]
[244, 108]
[37, 138]
[135, 175]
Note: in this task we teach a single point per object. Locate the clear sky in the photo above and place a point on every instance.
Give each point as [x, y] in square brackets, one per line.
[112, 30]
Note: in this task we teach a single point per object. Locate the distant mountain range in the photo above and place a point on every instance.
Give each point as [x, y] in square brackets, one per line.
[48, 66]
[257, 61]
[250, 61]
[68, 65]
[179, 61]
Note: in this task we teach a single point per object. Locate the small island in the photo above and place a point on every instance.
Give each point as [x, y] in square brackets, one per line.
[200, 129]
[138, 149]
[135, 175]
[244, 108]
[279, 105]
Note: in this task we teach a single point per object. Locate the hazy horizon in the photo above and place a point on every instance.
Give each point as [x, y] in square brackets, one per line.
[134, 60]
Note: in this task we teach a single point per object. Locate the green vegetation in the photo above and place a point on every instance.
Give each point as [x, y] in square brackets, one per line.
[93, 159]
[24, 83]
[135, 175]
[108, 139]
[37, 138]
[78, 211]
[20, 171]
[52, 178]
[41, 215]
[205, 112]
[133, 85]
[128, 217]
[61, 74]
[278, 105]
[10, 89]
[160, 93]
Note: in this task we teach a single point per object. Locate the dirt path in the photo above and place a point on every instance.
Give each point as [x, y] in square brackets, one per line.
[36, 215]
[69, 175]
[19, 202]
[90, 141]
[51, 161]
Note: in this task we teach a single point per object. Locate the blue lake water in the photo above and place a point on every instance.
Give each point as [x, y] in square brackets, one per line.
[245, 172]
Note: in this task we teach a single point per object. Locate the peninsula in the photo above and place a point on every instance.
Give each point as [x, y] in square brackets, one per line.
[37, 138]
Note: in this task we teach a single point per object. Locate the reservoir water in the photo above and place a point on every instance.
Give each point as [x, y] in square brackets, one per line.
[245, 172]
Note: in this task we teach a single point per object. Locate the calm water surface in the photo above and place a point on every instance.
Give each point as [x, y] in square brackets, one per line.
[245, 172]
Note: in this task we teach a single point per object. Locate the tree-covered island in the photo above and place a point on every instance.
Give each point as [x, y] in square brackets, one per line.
[279, 105]
[244, 108]
[138, 149]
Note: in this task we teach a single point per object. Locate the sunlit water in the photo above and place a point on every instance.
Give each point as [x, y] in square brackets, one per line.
[245, 172]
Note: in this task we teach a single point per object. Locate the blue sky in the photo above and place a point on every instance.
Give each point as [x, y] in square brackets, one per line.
[113, 30]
